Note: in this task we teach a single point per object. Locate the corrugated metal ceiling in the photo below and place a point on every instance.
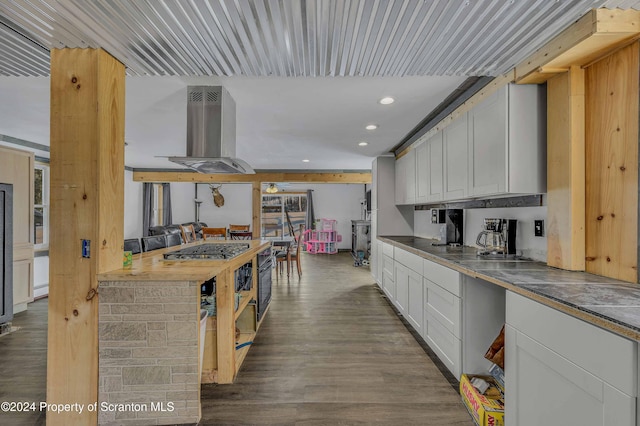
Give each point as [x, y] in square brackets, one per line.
[288, 38]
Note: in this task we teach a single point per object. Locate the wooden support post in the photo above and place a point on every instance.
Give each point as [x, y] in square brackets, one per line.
[611, 94]
[566, 170]
[256, 208]
[87, 199]
[225, 316]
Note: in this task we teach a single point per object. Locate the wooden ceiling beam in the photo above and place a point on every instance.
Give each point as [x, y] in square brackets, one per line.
[316, 177]
[598, 33]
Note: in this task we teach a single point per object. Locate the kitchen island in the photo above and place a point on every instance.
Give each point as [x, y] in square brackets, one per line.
[149, 324]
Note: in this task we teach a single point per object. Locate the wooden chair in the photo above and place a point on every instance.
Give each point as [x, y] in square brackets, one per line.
[233, 228]
[290, 257]
[241, 235]
[214, 233]
[188, 233]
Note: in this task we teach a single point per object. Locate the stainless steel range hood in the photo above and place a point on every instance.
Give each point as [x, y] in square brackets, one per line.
[211, 132]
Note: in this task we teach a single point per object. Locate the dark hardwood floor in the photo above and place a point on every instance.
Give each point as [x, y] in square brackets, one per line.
[23, 365]
[331, 351]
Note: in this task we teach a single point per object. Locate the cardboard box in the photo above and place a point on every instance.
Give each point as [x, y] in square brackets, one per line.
[498, 375]
[485, 411]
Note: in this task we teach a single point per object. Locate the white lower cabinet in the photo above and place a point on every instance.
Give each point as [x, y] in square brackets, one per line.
[563, 371]
[409, 287]
[402, 287]
[388, 281]
[442, 314]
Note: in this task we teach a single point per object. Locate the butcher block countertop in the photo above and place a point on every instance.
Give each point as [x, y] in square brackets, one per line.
[151, 266]
[611, 304]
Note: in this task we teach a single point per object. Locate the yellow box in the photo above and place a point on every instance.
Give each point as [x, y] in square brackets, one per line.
[127, 260]
[485, 411]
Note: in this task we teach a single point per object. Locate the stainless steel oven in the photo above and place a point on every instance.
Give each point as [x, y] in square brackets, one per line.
[265, 263]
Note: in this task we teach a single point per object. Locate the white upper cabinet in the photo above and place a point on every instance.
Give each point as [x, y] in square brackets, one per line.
[507, 142]
[429, 172]
[454, 147]
[406, 178]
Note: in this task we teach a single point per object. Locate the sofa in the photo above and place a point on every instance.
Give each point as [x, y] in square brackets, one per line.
[175, 229]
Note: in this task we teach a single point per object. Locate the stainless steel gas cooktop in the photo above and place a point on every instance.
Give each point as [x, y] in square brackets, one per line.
[222, 251]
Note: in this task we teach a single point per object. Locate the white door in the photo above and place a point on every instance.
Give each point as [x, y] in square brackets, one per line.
[488, 145]
[546, 388]
[402, 287]
[415, 305]
[455, 146]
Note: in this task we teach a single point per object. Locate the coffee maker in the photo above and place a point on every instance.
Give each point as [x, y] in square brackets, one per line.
[498, 237]
[451, 229]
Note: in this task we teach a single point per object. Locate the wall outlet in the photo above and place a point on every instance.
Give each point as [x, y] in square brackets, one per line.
[538, 228]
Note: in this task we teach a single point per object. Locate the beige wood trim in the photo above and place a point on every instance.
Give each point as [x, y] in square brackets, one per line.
[87, 195]
[256, 208]
[225, 316]
[178, 176]
[612, 90]
[566, 170]
[286, 193]
[593, 36]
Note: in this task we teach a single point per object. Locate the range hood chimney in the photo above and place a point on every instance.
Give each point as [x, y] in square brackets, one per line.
[211, 132]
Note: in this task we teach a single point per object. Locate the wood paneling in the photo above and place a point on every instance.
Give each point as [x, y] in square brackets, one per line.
[87, 195]
[612, 165]
[565, 171]
[346, 177]
[256, 209]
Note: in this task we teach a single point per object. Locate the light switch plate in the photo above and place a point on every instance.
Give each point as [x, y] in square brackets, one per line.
[538, 228]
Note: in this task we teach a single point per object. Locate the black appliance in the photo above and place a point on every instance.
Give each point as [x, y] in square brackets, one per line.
[265, 262]
[220, 251]
[244, 277]
[452, 227]
[367, 199]
[6, 253]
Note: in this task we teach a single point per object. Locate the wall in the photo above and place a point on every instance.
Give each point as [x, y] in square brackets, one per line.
[132, 206]
[532, 247]
[331, 201]
[40, 276]
[336, 201]
[236, 208]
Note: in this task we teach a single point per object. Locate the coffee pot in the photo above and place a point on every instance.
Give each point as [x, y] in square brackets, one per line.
[497, 237]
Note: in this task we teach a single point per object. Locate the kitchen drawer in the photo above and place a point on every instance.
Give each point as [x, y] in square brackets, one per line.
[443, 306]
[610, 357]
[445, 277]
[389, 286]
[446, 346]
[387, 249]
[410, 260]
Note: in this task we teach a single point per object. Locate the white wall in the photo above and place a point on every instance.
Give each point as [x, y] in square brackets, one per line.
[40, 276]
[531, 246]
[132, 206]
[236, 208]
[336, 201]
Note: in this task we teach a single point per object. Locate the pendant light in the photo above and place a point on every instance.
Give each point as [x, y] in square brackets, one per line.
[272, 188]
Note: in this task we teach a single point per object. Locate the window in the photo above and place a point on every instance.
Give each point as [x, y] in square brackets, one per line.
[276, 209]
[41, 206]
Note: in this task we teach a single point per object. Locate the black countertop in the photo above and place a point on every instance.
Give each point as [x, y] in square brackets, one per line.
[605, 302]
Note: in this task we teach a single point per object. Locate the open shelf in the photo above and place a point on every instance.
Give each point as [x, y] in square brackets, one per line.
[242, 352]
[247, 295]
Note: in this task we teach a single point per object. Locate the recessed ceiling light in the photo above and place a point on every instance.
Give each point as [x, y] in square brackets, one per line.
[386, 100]
[305, 161]
[363, 143]
[371, 127]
